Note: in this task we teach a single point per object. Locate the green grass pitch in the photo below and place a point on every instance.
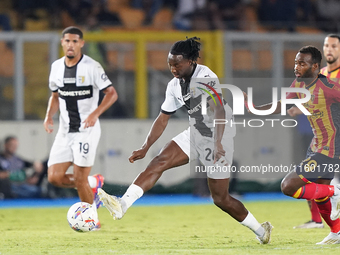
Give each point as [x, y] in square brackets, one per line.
[186, 229]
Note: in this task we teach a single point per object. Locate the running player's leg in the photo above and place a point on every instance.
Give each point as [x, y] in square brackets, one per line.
[309, 187]
[170, 156]
[81, 183]
[219, 189]
[222, 199]
[84, 146]
[57, 175]
[315, 214]
[298, 186]
[60, 159]
[85, 192]
[218, 181]
[325, 208]
[316, 221]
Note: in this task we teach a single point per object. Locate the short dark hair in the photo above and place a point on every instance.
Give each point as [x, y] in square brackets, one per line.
[189, 48]
[334, 36]
[9, 138]
[72, 30]
[314, 52]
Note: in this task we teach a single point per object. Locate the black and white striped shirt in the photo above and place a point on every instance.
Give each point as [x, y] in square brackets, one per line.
[78, 88]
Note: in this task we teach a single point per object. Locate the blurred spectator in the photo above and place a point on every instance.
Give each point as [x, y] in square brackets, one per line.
[5, 22]
[117, 110]
[170, 4]
[192, 15]
[5, 25]
[16, 181]
[26, 9]
[96, 50]
[327, 15]
[305, 12]
[78, 10]
[226, 14]
[278, 14]
[101, 16]
[150, 7]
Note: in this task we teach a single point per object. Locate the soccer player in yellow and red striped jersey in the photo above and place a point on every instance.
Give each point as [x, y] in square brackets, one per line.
[311, 179]
[331, 52]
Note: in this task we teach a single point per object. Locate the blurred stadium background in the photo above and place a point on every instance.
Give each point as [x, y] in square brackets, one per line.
[133, 52]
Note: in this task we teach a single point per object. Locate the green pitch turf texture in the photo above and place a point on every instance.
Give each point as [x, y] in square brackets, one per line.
[185, 229]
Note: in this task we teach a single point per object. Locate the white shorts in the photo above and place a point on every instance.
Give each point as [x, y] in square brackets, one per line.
[79, 148]
[202, 149]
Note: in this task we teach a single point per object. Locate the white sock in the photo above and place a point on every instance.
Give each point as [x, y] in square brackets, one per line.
[92, 181]
[95, 208]
[253, 224]
[131, 195]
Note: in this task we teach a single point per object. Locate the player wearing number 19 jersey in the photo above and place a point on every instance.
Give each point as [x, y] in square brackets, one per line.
[75, 81]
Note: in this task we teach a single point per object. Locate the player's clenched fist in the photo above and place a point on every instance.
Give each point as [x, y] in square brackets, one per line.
[136, 155]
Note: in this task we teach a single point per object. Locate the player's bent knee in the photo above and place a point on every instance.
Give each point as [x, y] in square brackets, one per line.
[221, 200]
[287, 189]
[53, 178]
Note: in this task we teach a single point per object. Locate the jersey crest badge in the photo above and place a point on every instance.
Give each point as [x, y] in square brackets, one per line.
[81, 79]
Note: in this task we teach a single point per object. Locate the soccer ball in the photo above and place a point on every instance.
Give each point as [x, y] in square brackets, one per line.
[82, 217]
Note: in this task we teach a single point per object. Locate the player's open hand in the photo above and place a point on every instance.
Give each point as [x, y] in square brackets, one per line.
[90, 121]
[48, 125]
[138, 154]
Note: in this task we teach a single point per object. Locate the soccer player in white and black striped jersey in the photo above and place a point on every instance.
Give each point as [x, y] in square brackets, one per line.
[185, 147]
[75, 81]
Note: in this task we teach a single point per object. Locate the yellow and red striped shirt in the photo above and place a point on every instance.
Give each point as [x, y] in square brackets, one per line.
[333, 75]
[324, 107]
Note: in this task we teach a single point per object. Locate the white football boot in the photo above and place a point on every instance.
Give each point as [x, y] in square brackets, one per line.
[267, 232]
[112, 204]
[310, 224]
[332, 238]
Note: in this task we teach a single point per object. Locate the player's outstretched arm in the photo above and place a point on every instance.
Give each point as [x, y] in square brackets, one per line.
[110, 97]
[155, 132]
[52, 108]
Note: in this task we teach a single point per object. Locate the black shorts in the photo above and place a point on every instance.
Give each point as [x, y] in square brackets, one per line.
[318, 166]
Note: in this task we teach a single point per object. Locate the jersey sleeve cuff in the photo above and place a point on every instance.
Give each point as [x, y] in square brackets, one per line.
[106, 87]
[167, 113]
